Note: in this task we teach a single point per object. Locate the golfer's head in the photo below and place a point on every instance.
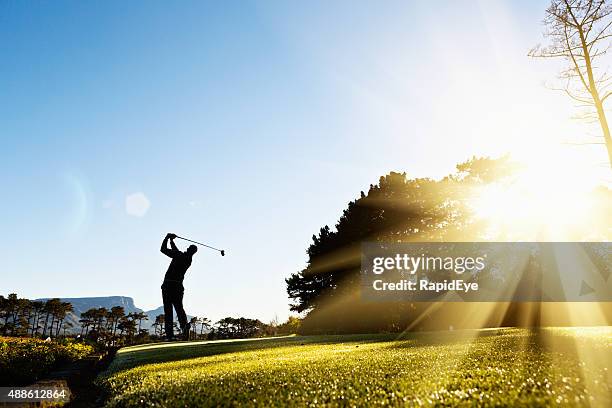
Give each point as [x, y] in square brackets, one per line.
[192, 249]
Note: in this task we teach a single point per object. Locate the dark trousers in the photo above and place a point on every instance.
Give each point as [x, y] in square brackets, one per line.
[172, 295]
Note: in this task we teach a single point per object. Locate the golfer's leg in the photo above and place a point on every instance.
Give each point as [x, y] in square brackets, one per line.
[168, 323]
[180, 311]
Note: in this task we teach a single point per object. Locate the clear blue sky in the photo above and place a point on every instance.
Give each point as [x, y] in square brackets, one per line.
[248, 125]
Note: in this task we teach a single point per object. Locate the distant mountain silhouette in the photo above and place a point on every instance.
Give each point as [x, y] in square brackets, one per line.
[83, 304]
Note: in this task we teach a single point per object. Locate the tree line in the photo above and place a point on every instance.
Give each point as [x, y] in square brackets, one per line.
[21, 317]
[24, 317]
[113, 326]
[230, 328]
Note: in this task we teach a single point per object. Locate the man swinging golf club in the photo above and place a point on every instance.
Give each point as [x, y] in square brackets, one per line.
[172, 288]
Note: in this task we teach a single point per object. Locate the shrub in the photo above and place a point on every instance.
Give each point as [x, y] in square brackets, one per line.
[25, 360]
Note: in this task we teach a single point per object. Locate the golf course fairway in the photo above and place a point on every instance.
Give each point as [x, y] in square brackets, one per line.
[509, 366]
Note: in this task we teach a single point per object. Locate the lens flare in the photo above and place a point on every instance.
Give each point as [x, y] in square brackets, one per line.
[536, 203]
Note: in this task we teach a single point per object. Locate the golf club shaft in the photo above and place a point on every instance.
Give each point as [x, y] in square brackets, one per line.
[199, 243]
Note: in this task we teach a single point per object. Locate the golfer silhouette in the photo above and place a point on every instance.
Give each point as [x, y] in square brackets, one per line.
[172, 288]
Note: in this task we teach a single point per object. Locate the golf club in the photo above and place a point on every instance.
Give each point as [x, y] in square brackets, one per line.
[199, 243]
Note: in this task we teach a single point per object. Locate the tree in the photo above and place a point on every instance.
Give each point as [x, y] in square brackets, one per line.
[62, 310]
[579, 32]
[194, 326]
[139, 316]
[114, 315]
[99, 315]
[3, 314]
[87, 320]
[158, 325]
[22, 317]
[51, 310]
[9, 313]
[205, 324]
[291, 326]
[127, 325]
[397, 209]
[241, 327]
[37, 310]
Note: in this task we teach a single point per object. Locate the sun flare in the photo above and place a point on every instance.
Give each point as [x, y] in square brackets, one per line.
[538, 202]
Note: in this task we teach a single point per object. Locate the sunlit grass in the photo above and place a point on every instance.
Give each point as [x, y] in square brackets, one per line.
[493, 367]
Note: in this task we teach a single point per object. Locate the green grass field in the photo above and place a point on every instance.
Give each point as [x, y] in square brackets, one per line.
[521, 367]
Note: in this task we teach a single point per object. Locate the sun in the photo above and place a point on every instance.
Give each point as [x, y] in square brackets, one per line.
[539, 202]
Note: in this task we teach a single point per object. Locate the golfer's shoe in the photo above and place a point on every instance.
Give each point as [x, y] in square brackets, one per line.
[186, 331]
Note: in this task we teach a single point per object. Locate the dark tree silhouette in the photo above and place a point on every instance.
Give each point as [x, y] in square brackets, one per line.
[139, 316]
[241, 327]
[114, 316]
[158, 325]
[204, 325]
[397, 209]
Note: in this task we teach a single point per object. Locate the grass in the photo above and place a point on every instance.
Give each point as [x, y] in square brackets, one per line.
[25, 360]
[516, 367]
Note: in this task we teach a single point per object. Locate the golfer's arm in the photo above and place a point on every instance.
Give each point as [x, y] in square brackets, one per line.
[174, 248]
[164, 248]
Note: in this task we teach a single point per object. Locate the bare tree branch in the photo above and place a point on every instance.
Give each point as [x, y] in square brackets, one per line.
[580, 32]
